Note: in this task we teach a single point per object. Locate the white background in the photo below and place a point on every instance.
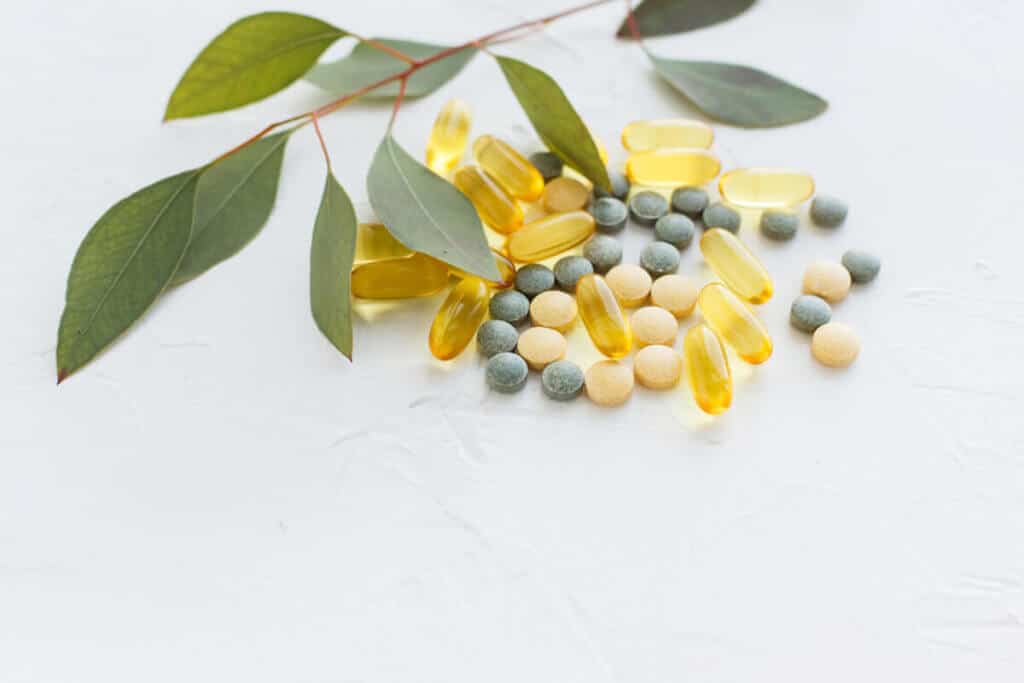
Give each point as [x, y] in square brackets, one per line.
[221, 497]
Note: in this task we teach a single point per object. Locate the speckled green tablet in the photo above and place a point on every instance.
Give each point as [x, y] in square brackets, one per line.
[809, 312]
[828, 211]
[676, 229]
[647, 207]
[511, 306]
[496, 336]
[863, 266]
[620, 186]
[534, 278]
[659, 258]
[718, 215]
[506, 372]
[603, 252]
[569, 269]
[609, 214]
[690, 200]
[548, 164]
[562, 380]
[778, 225]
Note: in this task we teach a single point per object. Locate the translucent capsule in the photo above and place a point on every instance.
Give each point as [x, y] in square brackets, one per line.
[459, 317]
[735, 323]
[496, 206]
[707, 369]
[736, 265]
[505, 267]
[644, 136]
[672, 167]
[549, 236]
[374, 242]
[764, 188]
[512, 170]
[603, 317]
[448, 137]
[399, 278]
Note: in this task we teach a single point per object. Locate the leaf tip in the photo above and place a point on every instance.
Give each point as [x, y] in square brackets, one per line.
[62, 375]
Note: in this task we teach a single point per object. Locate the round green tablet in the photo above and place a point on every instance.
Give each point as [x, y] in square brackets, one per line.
[647, 207]
[562, 380]
[506, 372]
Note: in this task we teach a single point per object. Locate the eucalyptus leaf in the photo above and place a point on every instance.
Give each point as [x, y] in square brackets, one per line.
[664, 17]
[740, 95]
[554, 119]
[253, 58]
[330, 266]
[426, 213]
[122, 266]
[233, 203]
[367, 64]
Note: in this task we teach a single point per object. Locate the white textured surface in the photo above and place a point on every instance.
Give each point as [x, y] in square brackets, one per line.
[221, 497]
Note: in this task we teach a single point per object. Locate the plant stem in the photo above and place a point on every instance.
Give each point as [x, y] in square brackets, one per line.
[376, 44]
[398, 102]
[323, 144]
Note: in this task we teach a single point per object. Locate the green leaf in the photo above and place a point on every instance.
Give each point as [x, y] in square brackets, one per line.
[739, 95]
[233, 202]
[664, 17]
[426, 213]
[253, 58]
[366, 64]
[554, 119]
[122, 266]
[330, 266]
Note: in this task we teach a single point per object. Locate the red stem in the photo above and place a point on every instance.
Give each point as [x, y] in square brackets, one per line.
[634, 30]
[398, 102]
[376, 44]
[323, 144]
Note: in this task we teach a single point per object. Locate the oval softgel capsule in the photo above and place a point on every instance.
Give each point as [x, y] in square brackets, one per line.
[644, 136]
[765, 188]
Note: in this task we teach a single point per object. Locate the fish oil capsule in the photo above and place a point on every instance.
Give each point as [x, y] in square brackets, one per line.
[603, 317]
[644, 136]
[374, 242]
[448, 137]
[736, 265]
[707, 369]
[458, 319]
[670, 168]
[399, 278]
[735, 323]
[549, 236]
[505, 267]
[496, 207]
[765, 188]
[512, 170]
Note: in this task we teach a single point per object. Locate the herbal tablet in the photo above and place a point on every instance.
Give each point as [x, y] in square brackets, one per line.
[690, 200]
[553, 309]
[562, 380]
[647, 207]
[541, 345]
[719, 215]
[827, 279]
[506, 372]
[863, 266]
[835, 345]
[809, 312]
[620, 186]
[659, 258]
[511, 306]
[569, 269]
[653, 325]
[630, 283]
[496, 336]
[603, 252]
[676, 229]
[609, 214]
[677, 294]
[534, 278]
[609, 383]
[778, 224]
[547, 164]
[565, 194]
[657, 367]
[828, 212]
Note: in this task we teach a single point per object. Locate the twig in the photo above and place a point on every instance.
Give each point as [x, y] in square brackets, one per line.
[320, 137]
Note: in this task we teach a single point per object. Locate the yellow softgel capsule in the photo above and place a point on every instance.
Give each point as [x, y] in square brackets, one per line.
[447, 142]
[496, 207]
[549, 236]
[736, 265]
[707, 369]
[399, 278]
[644, 136]
[374, 242]
[505, 267]
[670, 168]
[603, 317]
[765, 188]
[459, 317]
[735, 323]
[512, 170]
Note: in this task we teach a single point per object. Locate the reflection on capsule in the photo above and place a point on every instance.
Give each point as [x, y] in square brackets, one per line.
[644, 136]
[736, 265]
[549, 236]
[399, 278]
[672, 167]
[735, 323]
[459, 318]
[707, 369]
[765, 188]
[603, 317]
[496, 207]
[505, 267]
[374, 242]
[448, 137]
[512, 170]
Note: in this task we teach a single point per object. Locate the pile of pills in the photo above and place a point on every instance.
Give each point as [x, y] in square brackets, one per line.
[625, 308]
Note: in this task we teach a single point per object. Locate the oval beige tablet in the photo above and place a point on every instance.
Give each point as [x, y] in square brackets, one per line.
[653, 325]
[540, 346]
[553, 309]
[608, 383]
[677, 294]
[631, 284]
[657, 367]
[827, 279]
[565, 194]
[835, 345]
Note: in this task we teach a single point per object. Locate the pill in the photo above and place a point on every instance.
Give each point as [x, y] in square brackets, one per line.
[677, 294]
[399, 278]
[565, 194]
[631, 284]
[374, 242]
[690, 200]
[506, 372]
[459, 318]
[657, 367]
[505, 267]
[719, 215]
[554, 309]
[609, 383]
[676, 229]
[540, 346]
[547, 164]
[496, 207]
[562, 380]
[670, 168]
[736, 266]
[447, 142]
[512, 170]
[778, 224]
[828, 211]
[707, 369]
[735, 323]
[827, 279]
[496, 336]
[653, 325]
[609, 214]
[863, 266]
[620, 186]
[659, 258]
[835, 345]
[647, 207]
[603, 317]
[511, 306]
[603, 252]
[809, 312]
[764, 188]
[643, 136]
[534, 278]
[549, 236]
[569, 269]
